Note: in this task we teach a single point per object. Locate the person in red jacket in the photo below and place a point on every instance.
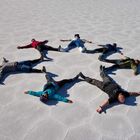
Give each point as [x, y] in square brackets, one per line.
[40, 46]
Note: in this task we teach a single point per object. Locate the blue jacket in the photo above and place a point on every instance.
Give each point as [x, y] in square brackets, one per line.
[51, 94]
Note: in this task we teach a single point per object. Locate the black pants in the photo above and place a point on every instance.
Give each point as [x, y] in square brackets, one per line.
[30, 62]
[59, 83]
[26, 66]
[23, 66]
[119, 64]
[42, 48]
[100, 84]
[106, 53]
[99, 50]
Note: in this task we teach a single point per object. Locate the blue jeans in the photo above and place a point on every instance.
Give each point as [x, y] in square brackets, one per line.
[24, 66]
[73, 44]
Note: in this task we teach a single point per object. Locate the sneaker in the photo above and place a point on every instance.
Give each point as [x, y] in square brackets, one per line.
[59, 48]
[76, 77]
[4, 59]
[82, 75]
[41, 58]
[102, 68]
[44, 69]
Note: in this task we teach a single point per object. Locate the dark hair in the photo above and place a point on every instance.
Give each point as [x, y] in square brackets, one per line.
[77, 35]
[115, 44]
[43, 99]
[137, 61]
[33, 39]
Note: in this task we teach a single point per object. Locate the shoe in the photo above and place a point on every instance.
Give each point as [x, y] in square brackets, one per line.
[59, 48]
[44, 69]
[4, 59]
[82, 75]
[41, 58]
[102, 68]
[76, 77]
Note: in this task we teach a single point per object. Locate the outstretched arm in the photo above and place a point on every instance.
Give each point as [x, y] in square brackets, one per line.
[120, 52]
[34, 93]
[87, 41]
[44, 42]
[134, 93]
[101, 45]
[65, 40]
[24, 47]
[102, 106]
[123, 56]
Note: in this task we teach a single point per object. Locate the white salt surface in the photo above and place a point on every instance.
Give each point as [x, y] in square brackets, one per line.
[24, 117]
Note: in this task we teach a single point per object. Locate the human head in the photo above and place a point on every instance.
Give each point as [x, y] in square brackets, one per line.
[33, 40]
[77, 36]
[115, 44]
[137, 61]
[44, 97]
[121, 98]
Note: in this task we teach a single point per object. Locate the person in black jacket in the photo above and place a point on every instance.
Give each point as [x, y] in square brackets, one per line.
[114, 91]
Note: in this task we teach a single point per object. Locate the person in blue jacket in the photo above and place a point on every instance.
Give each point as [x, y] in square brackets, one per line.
[50, 89]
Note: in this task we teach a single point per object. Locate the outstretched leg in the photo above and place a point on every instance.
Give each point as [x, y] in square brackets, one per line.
[114, 61]
[66, 81]
[35, 71]
[63, 82]
[111, 68]
[104, 76]
[27, 68]
[49, 48]
[69, 47]
[32, 62]
[98, 50]
[29, 62]
[2, 78]
[94, 82]
[107, 52]
[48, 78]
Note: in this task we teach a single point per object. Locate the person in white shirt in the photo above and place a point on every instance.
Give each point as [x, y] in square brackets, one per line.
[76, 42]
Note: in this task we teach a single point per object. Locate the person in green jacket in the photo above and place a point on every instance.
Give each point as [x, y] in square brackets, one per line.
[125, 63]
[51, 88]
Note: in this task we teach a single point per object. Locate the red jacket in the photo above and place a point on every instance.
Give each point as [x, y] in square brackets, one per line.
[34, 44]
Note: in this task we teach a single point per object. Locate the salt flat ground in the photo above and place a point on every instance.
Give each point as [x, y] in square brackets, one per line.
[24, 117]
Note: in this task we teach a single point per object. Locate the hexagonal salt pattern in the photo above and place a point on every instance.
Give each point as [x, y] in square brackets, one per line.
[24, 117]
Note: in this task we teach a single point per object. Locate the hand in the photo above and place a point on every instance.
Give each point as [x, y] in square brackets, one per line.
[18, 47]
[99, 110]
[69, 101]
[26, 92]
[46, 41]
